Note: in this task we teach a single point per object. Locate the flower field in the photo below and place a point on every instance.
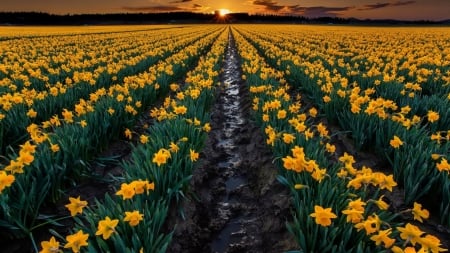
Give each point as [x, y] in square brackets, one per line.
[324, 97]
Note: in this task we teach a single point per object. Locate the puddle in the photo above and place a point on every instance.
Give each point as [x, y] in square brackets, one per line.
[231, 233]
[234, 183]
[228, 143]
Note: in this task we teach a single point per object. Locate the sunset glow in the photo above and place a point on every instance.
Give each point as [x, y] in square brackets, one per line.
[361, 9]
[223, 12]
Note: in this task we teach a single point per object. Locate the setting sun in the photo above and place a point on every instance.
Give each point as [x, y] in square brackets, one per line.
[223, 12]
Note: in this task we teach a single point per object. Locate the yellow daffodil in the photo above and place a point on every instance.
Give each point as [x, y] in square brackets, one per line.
[396, 142]
[5, 180]
[323, 216]
[50, 246]
[419, 213]
[106, 227]
[76, 205]
[76, 241]
[133, 218]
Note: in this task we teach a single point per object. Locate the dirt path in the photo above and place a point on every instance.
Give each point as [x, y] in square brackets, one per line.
[237, 205]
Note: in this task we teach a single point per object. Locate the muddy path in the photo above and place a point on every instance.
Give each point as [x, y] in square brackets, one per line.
[235, 203]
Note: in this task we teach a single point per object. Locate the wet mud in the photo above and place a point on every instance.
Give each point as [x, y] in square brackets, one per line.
[235, 204]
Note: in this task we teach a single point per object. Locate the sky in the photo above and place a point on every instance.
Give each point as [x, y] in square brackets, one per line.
[371, 9]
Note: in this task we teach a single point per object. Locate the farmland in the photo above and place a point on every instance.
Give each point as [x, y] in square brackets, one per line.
[340, 134]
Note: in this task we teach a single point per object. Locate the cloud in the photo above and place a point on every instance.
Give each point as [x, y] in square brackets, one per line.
[384, 5]
[182, 1]
[314, 11]
[159, 8]
[269, 5]
[317, 11]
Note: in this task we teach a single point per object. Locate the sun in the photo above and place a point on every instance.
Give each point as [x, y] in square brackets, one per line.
[223, 12]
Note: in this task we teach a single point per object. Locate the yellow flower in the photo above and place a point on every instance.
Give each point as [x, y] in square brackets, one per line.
[174, 86]
[83, 123]
[68, 116]
[193, 155]
[419, 213]
[25, 158]
[76, 205]
[313, 112]
[161, 156]
[410, 233]
[126, 190]
[347, 159]
[431, 243]
[383, 237]
[319, 174]
[76, 241]
[141, 186]
[397, 249]
[28, 147]
[443, 165]
[288, 138]
[5, 180]
[133, 218]
[143, 138]
[396, 142]
[330, 148]
[387, 182]
[180, 96]
[381, 204]
[180, 110]
[322, 130]
[14, 167]
[106, 227]
[432, 116]
[371, 225]
[353, 215]
[281, 114]
[31, 113]
[54, 148]
[323, 216]
[128, 133]
[51, 246]
[174, 147]
[207, 127]
[111, 111]
[357, 204]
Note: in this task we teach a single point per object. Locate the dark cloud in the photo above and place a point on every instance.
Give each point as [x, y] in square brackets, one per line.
[160, 8]
[400, 3]
[317, 11]
[197, 6]
[182, 1]
[384, 5]
[269, 5]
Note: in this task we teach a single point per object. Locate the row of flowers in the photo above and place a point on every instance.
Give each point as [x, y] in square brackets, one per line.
[338, 206]
[132, 219]
[59, 151]
[374, 109]
[94, 62]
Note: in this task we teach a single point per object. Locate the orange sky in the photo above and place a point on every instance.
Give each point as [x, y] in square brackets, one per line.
[372, 9]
